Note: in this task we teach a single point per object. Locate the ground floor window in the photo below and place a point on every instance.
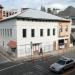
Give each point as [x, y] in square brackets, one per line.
[13, 49]
[61, 43]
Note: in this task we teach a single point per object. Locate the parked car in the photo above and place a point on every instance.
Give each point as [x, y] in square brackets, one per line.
[62, 64]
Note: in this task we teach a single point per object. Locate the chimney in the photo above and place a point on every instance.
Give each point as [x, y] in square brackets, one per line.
[23, 9]
[1, 12]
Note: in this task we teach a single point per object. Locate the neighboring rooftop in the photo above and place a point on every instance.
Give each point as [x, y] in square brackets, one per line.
[69, 11]
[36, 14]
[1, 6]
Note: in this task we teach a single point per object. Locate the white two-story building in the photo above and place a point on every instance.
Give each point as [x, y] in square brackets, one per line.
[32, 32]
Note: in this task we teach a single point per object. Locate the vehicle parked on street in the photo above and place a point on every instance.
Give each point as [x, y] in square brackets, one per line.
[62, 64]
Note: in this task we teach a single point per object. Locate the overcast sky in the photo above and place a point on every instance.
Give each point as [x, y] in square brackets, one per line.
[9, 4]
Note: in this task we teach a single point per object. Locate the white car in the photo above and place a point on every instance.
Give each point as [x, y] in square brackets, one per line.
[62, 64]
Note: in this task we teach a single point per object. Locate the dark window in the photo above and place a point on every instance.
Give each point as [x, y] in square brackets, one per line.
[61, 62]
[61, 29]
[61, 42]
[66, 29]
[7, 14]
[32, 32]
[69, 61]
[73, 30]
[3, 32]
[13, 49]
[10, 32]
[24, 32]
[48, 32]
[53, 31]
[3, 43]
[41, 32]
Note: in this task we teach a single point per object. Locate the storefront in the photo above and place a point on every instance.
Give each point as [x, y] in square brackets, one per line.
[61, 43]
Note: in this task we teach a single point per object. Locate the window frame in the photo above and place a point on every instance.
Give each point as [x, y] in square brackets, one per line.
[53, 31]
[24, 32]
[48, 32]
[32, 32]
[41, 32]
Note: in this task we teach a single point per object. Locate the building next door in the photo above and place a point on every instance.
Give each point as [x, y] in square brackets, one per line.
[66, 42]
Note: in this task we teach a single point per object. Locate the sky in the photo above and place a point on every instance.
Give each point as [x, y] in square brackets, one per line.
[36, 4]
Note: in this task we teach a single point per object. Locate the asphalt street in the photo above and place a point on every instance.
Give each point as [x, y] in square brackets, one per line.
[38, 67]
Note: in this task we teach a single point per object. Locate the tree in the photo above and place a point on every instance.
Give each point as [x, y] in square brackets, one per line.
[43, 8]
[49, 10]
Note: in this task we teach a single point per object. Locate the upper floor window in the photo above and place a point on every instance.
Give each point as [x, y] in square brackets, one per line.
[3, 32]
[66, 29]
[24, 32]
[32, 32]
[41, 32]
[10, 32]
[53, 31]
[48, 32]
[61, 29]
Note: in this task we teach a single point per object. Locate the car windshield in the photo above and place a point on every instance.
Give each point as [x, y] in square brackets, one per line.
[61, 62]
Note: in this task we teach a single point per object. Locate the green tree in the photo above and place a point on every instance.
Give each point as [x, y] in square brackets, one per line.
[43, 8]
[49, 10]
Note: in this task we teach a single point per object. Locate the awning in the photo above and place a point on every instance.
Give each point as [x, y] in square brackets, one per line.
[12, 44]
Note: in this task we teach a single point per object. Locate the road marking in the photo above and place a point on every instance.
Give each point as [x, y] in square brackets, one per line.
[70, 71]
[11, 67]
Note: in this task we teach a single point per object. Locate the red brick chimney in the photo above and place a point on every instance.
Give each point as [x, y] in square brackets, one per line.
[1, 12]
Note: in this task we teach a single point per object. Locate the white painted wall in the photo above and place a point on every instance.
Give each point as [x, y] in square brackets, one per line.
[9, 24]
[18, 25]
[45, 40]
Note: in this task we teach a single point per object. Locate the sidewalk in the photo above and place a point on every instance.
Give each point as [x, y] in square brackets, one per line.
[66, 52]
[6, 54]
[69, 52]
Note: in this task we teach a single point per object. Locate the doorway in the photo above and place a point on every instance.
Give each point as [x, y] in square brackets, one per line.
[36, 48]
[61, 43]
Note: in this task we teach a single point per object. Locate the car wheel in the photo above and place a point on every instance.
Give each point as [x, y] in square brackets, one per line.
[62, 70]
[74, 64]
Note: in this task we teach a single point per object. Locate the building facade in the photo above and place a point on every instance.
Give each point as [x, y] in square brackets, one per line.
[7, 13]
[33, 32]
[69, 13]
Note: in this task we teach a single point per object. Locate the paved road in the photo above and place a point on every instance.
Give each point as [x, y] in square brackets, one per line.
[38, 67]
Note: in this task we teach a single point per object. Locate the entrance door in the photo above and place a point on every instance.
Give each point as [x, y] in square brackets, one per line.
[36, 48]
[61, 43]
